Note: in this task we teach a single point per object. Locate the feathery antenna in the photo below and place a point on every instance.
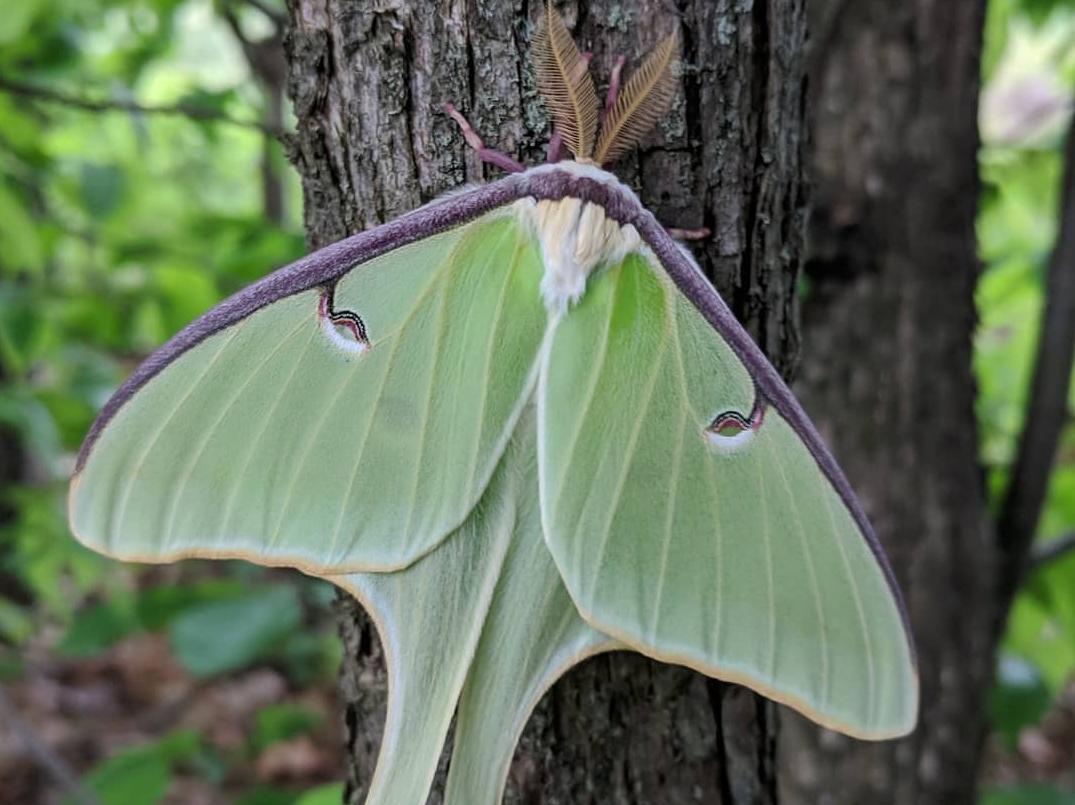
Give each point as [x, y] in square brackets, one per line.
[566, 84]
[644, 100]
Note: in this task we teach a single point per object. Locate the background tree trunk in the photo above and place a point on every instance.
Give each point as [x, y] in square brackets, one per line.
[368, 80]
[886, 371]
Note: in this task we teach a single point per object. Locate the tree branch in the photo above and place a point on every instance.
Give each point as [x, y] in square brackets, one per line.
[1051, 551]
[192, 111]
[266, 60]
[236, 29]
[1047, 406]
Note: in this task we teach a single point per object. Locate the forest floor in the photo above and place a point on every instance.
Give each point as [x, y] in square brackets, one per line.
[254, 736]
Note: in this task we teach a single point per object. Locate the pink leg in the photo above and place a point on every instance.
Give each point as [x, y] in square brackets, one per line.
[489, 155]
[614, 86]
[689, 234]
[555, 151]
[584, 65]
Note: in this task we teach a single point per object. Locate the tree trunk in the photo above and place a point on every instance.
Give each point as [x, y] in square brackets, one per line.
[887, 330]
[368, 80]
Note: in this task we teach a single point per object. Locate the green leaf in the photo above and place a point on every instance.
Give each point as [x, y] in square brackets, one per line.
[11, 665]
[1058, 515]
[102, 188]
[997, 19]
[179, 745]
[70, 415]
[99, 627]
[282, 722]
[22, 250]
[16, 625]
[310, 656]
[135, 775]
[102, 625]
[324, 795]
[1036, 632]
[141, 774]
[148, 326]
[186, 293]
[16, 19]
[1039, 10]
[40, 550]
[1032, 794]
[33, 422]
[263, 795]
[157, 607]
[224, 636]
[1019, 697]
[24, 331]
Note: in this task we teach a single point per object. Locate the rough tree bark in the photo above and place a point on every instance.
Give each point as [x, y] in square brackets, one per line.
[368, 80]
[887, 333]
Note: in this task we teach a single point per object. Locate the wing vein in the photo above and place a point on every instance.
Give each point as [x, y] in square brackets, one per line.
[431, 386]
[208, 433]
[300, 464]
[770, 663]
[550, 594]
[361, 451]
[489, 350]
[669, 520]
[860, 609]
[629, 455]
[137, 469]
[718, 543]
[584, 409]
[256, 438]
[811, 573]
[398, 334]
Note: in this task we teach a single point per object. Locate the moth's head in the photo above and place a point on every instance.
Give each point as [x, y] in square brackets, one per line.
[630, 112]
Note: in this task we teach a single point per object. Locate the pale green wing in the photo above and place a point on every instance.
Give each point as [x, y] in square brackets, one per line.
[484, 621]
[532, 636]
[429, 618]
[332, 431]
[724, 548]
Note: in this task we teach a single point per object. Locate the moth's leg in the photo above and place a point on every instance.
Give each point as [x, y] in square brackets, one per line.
[689, 234]
[555, 151]
[614, 86]
[584, 65]
[489, 155]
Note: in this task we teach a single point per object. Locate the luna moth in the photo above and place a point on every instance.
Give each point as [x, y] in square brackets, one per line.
[522, 428]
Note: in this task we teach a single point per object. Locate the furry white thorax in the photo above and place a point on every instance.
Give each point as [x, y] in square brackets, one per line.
[575, 238]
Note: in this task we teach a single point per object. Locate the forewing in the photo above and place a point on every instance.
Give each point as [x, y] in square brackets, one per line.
[731, 552]
[281, 439]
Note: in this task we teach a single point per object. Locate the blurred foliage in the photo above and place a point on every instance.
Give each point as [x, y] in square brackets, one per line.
[142, 773]
[1029, 71]
[1019, 699]
[222, 636]
[1028, 795]
[325, 795]
[119, 226]
[281, 722]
